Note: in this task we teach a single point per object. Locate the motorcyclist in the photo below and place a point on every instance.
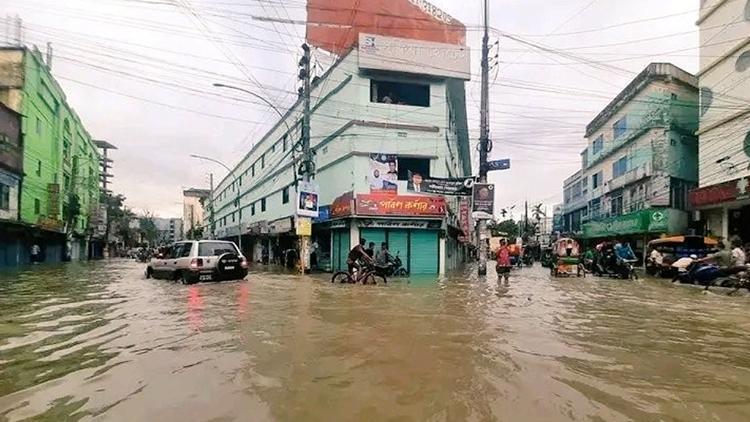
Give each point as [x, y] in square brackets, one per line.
[383, 257]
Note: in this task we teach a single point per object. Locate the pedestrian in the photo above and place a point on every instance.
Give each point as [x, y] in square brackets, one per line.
[36, 254]
[314, 254]
[502, 256]
[738, 254]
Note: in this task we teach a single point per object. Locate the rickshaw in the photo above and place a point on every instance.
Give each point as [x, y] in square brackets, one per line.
[671, 249]
[567, 259]
[548, 258]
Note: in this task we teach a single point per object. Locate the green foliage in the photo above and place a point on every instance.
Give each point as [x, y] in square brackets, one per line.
[507, 228]
[148, 228]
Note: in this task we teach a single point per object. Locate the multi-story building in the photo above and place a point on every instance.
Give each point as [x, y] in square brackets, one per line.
[168, 230]
[60, 188]
[194, 202]
[640, 162]
[399, 98]
[11, 174]
[723, 198]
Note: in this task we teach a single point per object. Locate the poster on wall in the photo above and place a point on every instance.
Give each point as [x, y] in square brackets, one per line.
[383, 174]
[483, 206]
[307, 199]
[454, 186]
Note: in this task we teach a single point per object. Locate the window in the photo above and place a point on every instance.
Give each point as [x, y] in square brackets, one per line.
[620, 127]
[285, 195]
[185, 250]
[617, 205]
[252, 170]
[598, 145]
[273, 148]
[619, 167]
[419, 166]
[263, 205]
[252, 209]
[216, 248]
[233, 218]
[263, 161]
[401, 93]
[596, 180]
[240, 180]
[4, 197]
[585, 158]
[39, 168]
[284, 143]
[37, 207]
[38, 126]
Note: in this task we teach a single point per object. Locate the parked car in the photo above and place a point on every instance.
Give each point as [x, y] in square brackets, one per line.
[198, 260]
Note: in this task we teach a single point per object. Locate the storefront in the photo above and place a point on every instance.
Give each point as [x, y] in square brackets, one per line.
[724, 209]
[412, 226]
[637, 228]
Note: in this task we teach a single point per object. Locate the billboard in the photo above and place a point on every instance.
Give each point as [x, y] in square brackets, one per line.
[484, 200]
[460, 186]
[383, 175]
[380, 52]
[307, 199]
[335, 25]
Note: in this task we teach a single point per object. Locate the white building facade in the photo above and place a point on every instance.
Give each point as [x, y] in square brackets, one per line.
[361, 107]
[723, 199]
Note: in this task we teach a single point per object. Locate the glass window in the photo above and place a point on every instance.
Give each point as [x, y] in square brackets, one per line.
[412, 166]
[186, 249]
[596, 180]
[598, 145]
[263, 205]
[252, 170]
[617, 205]
[38, 126]
[37, 206]
[619, 167]
[252, 209]
[39, 168]
[263, 161]
[284, 142]
[4, 197]
[285, 195]
[620, 127]
[216, 248]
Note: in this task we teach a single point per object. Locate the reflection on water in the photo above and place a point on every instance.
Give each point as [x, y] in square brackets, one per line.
[83, 341]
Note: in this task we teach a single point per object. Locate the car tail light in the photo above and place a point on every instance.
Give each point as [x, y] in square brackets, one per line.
[243, 262]
[196, 263]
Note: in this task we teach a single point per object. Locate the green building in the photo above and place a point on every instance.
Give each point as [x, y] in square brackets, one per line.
[60, 189]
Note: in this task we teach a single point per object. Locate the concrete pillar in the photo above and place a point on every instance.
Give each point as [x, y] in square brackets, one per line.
[442, 255]
[725, 222]
[353, 234]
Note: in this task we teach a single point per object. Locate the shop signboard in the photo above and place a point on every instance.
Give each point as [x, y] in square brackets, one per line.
[307, 199]
[259, 227]
[401, 205]
[280, 226]
[304, 226]
[324, 214]
[734, 190]
[400, 224]
[343, 206]
[483, 204]
[644, 221]
[498, 165]
[463, 219]
[454, 186]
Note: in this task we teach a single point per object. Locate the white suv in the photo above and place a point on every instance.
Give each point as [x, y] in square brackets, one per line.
[199, 260]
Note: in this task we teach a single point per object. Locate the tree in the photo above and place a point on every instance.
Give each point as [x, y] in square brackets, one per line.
[196, 233]
[507, 228]
[148, 228]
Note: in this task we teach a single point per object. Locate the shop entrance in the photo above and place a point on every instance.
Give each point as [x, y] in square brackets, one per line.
[738, 226]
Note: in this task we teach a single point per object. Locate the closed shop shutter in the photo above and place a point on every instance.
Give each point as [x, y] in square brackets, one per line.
[423, 257]
[340, 250]
[398, 243]
[376, 236]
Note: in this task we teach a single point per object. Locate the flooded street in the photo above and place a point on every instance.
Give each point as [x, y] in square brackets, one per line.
[98, 341]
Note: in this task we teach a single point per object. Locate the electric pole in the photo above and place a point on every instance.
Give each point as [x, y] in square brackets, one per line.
[307, 168]
[211, 223]
[484, 135]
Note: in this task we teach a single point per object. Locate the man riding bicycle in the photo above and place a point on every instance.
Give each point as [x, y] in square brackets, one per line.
[358, 253]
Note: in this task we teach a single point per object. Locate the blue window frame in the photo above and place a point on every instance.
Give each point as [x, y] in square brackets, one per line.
[620, 127]
[598, 145]
[619, 167]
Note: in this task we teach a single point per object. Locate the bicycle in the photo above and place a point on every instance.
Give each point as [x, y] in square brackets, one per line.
[367, 275]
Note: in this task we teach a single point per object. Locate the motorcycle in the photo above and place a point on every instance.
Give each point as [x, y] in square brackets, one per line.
[395, 268]
[708, 275]
[619, 268]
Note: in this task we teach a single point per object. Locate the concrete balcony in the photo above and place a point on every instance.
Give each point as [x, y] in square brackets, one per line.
[577, 203]
[630, 177]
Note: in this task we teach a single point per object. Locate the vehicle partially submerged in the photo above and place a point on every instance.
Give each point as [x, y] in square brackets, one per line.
[672, 249]
[567, 259]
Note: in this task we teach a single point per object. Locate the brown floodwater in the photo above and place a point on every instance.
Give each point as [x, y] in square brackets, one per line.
[97, 341]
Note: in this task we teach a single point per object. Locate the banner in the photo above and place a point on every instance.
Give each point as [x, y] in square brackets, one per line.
[401, 205]
[454, 186]
[343, 206]
[484, 200]
[463, 217]
[304, 226]
[383, 175]
[307, 199]
[335, 25]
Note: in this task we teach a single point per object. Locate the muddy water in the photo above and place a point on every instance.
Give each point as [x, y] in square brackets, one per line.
[99, 342]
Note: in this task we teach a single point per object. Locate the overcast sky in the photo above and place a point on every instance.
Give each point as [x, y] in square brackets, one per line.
[139, 73]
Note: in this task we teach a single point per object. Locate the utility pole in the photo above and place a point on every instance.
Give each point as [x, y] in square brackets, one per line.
[484, 136]
[526, 219]
[307, 168]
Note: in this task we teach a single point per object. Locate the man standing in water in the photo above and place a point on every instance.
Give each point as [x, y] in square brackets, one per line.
[502, 257]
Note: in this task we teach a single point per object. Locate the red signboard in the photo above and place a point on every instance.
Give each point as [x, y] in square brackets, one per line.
[717, 194]
[463, 216]
[401, 205]
[335, 25]
[342, 206]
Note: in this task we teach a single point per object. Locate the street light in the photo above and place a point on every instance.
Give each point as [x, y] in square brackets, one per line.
[237, 203]
[260, 97]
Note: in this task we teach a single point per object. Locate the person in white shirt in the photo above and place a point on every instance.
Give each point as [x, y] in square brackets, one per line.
[376, 182]
[738, 254]
[657, 258]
